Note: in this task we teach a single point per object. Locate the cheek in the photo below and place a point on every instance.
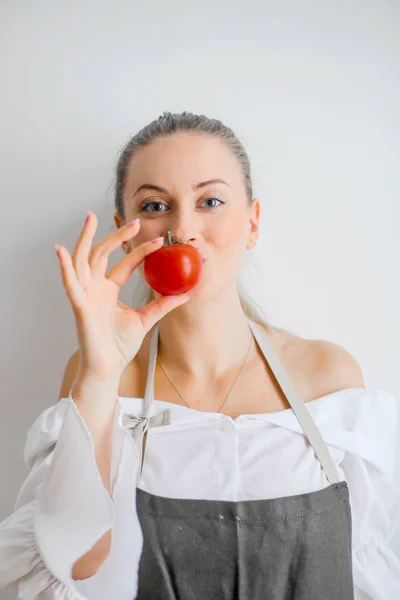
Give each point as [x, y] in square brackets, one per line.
[148, 231]
[230, 237]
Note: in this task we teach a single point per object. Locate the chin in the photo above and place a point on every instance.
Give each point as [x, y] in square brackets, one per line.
[207, 291]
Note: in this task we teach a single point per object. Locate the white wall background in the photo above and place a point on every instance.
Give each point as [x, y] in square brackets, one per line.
[311, 88]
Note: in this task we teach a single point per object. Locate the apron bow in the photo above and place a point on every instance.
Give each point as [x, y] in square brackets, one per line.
[141, 425]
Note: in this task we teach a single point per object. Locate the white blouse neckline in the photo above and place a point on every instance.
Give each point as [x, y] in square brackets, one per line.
[125, 400]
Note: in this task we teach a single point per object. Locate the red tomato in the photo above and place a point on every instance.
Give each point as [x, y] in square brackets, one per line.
[173, 269]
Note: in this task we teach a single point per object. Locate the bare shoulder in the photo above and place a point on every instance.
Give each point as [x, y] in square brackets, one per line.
[328, 366]
[334, 367]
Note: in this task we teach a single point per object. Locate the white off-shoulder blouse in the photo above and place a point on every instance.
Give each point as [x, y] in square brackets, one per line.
[63, 508]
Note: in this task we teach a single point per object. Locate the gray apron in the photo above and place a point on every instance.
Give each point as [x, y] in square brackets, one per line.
[290, 548]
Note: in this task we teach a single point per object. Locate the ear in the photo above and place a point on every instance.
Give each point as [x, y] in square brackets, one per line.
[117, 220]
[118, 224]
[253, 223]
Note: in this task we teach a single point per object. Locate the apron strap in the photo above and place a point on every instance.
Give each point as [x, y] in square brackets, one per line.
[139, 425]
[149, 391]
[297, 403]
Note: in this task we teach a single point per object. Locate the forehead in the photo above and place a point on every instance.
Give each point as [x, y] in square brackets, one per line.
[181, 160]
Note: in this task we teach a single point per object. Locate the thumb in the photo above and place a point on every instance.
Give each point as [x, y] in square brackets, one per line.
[159, 307]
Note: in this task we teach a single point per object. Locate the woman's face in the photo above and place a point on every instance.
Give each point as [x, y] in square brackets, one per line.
[192, 185]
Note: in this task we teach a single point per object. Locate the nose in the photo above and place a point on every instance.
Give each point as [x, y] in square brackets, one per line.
[184, 226]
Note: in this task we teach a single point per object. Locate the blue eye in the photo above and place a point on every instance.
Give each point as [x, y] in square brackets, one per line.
[158, 203]
[213, 198]
[144, 207]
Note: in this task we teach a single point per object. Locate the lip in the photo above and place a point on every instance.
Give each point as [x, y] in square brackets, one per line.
[203, 260]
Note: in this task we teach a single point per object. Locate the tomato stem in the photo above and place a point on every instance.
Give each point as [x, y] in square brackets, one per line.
[171, 241]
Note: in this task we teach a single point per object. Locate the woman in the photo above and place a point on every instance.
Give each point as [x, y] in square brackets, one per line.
[226, 485]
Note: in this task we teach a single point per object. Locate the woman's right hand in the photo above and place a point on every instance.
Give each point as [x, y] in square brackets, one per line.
[110, 333]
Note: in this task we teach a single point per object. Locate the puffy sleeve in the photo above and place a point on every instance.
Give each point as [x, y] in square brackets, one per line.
[63, 508]
[369, 438]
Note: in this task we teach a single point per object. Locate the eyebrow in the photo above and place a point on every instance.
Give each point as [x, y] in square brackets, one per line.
[158, 188]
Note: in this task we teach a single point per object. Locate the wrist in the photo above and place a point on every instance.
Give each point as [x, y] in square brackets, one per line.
[87, 378]
[92, 391]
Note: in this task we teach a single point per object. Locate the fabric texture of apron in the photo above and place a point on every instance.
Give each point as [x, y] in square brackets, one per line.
[290, 548]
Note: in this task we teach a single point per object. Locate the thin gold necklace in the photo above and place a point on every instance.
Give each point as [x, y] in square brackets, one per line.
[230, 391]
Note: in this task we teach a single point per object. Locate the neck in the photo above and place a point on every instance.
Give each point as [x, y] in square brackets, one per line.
[205, 340]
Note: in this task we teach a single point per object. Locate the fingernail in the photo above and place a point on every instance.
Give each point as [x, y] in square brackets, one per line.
[156, 240]
[88, 217]
[134, 222]
[57, 248]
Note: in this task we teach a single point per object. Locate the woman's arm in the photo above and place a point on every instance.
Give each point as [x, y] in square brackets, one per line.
[66, 508]
[85, 393]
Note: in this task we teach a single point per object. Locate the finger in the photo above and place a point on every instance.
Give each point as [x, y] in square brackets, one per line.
[82, 249]
[158, 308]
[73, 288]
[121, 272]
[98, 259]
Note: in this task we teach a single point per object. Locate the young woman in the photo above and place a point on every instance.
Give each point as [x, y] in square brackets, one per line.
[197, 452]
